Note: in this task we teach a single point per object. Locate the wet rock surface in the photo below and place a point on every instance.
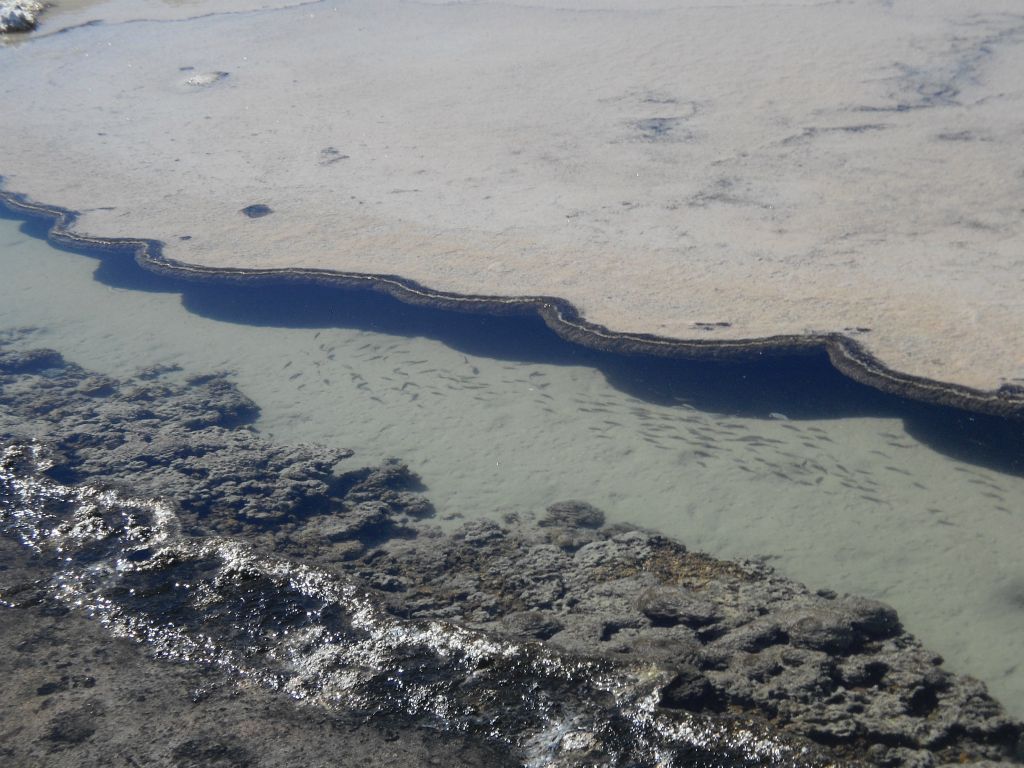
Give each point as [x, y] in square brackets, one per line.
[75, 696]
[838, 670]
[560, 600]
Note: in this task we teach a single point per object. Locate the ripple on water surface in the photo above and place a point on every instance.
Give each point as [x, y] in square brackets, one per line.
[739, 460]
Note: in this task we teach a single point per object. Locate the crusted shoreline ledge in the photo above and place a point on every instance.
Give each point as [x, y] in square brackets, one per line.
[847, 355]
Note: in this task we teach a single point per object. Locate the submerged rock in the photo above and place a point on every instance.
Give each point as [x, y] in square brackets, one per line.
[572, 514]
[559, 640]
[19, 15]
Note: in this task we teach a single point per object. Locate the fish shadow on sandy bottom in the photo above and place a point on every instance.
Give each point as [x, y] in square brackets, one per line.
[798, 386]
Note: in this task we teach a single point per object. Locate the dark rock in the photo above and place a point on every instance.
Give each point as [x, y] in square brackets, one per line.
[97, 386]
[674, 647]
[352, 523]
[257, 210]
[480, 532]
[211, 753]
[876, 620]
[667, 607]
[607, 555]
[751, 637]
[19, 15]
[820, 629]
[156, 371]
[65, 683]
[572, 514]
[690, 690]
[71, 728]
[30, 361]
[571, 540]
[535, 625]
[862, 671]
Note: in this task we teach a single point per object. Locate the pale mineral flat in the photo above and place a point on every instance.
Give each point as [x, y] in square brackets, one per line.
[688, 169]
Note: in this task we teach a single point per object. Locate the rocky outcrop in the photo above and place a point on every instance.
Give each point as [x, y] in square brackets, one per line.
[724, 640]
[839, 670]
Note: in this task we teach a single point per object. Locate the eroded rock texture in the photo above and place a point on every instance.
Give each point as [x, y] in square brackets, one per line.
[724, 642]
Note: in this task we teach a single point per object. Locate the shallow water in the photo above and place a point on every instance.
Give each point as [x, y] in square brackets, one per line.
[890, 501]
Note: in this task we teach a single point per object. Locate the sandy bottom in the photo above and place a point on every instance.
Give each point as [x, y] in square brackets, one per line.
[853, 504]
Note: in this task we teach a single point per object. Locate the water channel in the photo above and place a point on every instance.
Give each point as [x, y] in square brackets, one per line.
[835, 484]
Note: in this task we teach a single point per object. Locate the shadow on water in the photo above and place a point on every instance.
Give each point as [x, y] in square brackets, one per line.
[804, 386]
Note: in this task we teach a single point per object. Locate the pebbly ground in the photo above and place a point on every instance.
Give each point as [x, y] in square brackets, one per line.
[730, 639]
